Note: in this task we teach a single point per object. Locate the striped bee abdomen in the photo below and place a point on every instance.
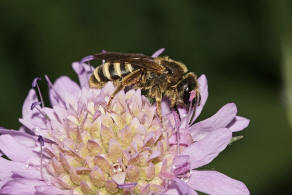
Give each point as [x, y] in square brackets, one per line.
[112, 71]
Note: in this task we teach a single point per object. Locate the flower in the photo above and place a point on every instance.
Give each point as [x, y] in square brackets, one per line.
[76, 146]
[201, 142]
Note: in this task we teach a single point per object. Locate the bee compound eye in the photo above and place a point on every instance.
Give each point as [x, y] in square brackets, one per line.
[186, 95]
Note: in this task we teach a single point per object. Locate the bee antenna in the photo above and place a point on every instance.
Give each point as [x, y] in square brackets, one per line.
[35, 85]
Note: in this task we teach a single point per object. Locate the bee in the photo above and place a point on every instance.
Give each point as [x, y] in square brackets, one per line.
[157, 77]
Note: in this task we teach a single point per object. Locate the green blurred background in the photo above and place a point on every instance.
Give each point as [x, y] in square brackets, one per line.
[242, 46]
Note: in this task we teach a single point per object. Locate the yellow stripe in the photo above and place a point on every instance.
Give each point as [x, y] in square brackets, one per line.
[117, 68]
[96, 74]
[105, 71]
[129, 67]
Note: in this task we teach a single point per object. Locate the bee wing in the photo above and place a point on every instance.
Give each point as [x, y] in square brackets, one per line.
[139, 60]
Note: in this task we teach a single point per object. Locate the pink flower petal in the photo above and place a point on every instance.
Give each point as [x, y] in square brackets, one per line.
[27, 173]
[182, 113]
[32, 118]
[3, 181]
[205, 150]
[172, 189]
[238, 123]
[165, 109]
[21, 137]
[20, 186]
[183, 137]
[29, 100]
[119, 178]
[127, 185]
[16, 151]
[178, 187]
[108, 89]
[50, 190]
[158, 52]
[215, 183]
[56, 117]
[84, 72]
[219, 120]
[184, 188]
[179, 160]
[62, 88]
[203, 86]
[7, 167]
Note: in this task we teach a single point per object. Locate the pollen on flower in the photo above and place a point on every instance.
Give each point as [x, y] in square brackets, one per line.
[121, 150]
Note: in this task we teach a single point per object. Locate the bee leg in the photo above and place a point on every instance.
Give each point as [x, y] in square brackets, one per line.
[128, 80]
[172, 101]
[158, 97]
[116, 91]
[158, 109]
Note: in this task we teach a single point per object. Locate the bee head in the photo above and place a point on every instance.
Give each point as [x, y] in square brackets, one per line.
[184, 88]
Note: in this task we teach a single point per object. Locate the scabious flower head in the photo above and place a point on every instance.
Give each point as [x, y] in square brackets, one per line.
[78, 146]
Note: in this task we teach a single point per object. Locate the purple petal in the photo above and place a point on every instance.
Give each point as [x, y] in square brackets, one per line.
[33, 105]
[158, 52]
[34, 124]
[20, 186]
[27, 173]
[127, 185]
[219, 120]
[205, 150]
[108, 89]
[86, 59]
[3, 181]
[182, 113]
[14, 150]
[62, 88]
[213, 182]
[7, 167]
[184, 188]
[32, 118]
[179, 160]
[83, 71]
[172, 189]
[238, 123]
[29, 100]
[35, 81]
[21, 137]
[203, 86]
[49, 190]
[182, 137]
[165, 109]
[182, 170]
[176, 119]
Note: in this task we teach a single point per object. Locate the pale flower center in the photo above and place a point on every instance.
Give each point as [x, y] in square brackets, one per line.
[120, 150]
